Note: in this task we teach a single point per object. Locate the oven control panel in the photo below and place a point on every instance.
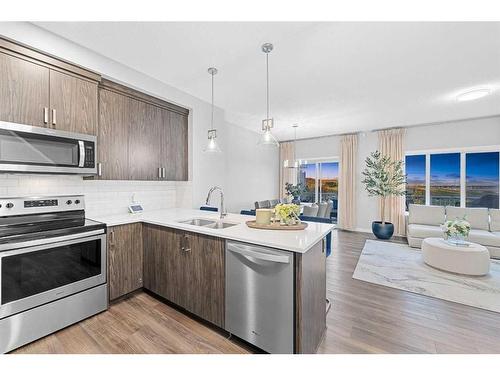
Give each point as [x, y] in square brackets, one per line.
[39, 205]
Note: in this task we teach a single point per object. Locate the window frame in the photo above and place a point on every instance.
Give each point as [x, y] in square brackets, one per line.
[463, 151]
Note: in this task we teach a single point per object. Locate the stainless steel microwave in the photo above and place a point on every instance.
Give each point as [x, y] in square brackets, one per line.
[31, 149]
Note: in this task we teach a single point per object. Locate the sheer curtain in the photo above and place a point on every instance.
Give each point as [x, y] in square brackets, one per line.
[391, 143]
[287, 152]
[347, 181]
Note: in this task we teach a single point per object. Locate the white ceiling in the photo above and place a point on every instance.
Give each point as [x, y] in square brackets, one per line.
[330, 78]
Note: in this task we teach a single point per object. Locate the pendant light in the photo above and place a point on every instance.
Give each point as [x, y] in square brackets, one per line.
[267, 138]
[212, 145]
[296, 163]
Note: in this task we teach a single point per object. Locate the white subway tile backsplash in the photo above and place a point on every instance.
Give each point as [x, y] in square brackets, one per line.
[101, 197]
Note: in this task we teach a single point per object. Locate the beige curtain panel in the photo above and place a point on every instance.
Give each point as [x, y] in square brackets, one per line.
[391, 143]
[287, 152]
[347, 181]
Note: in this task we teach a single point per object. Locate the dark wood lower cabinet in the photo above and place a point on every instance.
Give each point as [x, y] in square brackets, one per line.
[310, 299]
[125, 259]
[186, 269]
[205, 277]
[164, 263]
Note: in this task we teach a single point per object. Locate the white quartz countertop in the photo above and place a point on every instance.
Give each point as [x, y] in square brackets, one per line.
[297, 241]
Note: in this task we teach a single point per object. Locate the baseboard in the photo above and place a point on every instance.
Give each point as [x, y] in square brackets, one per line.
[364, 230]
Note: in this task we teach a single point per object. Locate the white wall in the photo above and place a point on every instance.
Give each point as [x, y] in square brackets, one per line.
[251, 169]
[468, 133]
[204, 170]
[458, 134]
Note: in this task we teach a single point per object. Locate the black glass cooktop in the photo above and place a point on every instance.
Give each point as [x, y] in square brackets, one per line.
[35, 226]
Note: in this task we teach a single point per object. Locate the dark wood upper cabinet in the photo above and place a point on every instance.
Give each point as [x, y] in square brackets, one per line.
[113, 135]
[152, 134]
[40, 90]
[175, 146]
[144, 141]
[73, 103]
[24, 91]
[125, 258]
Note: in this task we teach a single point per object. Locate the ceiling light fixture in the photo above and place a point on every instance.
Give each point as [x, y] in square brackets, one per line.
[212, 146]
[297, 163]
[267, 138]
[473, 94]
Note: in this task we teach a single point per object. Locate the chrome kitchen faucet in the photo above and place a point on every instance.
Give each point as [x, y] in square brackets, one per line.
[222, 210]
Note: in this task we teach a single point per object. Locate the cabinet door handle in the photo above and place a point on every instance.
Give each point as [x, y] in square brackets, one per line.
[184, 243]
[99, 169]
[111, 237]
[45, 115]
[54, 121]
[164, 172]
[160, 174]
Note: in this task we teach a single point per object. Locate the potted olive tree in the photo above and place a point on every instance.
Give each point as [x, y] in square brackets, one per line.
[383, 178]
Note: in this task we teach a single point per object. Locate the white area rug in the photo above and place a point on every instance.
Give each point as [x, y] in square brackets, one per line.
[400, 266]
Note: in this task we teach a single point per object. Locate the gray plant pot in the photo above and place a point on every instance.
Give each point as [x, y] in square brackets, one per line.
[382, 231]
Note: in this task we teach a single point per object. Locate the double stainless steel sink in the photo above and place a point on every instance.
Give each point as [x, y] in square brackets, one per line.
[207, 223]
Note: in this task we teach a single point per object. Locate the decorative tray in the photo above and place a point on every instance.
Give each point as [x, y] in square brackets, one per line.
[276, 226]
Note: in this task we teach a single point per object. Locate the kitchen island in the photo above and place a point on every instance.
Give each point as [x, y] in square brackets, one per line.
[179, 255]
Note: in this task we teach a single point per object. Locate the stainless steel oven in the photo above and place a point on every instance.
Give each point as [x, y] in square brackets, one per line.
[52, 267]
[41, 271]
[34, 149]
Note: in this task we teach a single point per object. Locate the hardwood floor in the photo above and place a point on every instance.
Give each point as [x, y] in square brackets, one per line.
[364, 318]
[368, 318]
[138, 323]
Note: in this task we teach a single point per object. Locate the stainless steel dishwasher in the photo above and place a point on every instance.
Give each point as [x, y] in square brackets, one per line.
[260, 296]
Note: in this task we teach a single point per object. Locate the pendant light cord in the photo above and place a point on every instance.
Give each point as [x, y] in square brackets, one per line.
[212, 124]
[267, 79]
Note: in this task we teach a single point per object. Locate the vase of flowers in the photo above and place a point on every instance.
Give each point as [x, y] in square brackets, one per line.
[457, 231]
[288, 213]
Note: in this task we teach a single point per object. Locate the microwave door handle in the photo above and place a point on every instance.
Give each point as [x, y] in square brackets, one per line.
[81, 147]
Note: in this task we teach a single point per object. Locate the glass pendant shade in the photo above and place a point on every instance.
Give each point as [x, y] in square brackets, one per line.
[267, 139]
[212, 145]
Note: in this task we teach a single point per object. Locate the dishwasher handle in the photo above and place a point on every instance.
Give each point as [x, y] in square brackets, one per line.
[251, 252]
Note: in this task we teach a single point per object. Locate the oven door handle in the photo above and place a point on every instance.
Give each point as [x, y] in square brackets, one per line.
[81, 159]
[5, 249]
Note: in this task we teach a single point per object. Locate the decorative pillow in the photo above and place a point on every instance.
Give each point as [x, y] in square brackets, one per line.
[495, 220]
[477, 217]
[428, 215]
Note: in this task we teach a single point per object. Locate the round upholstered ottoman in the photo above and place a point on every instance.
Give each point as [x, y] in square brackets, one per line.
[467, 260]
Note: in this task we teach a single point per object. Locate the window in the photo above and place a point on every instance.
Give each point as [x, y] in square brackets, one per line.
[482, 179]
[465, 179]
[329, 181]
[321, 182]
[415, 180]
[445, 179]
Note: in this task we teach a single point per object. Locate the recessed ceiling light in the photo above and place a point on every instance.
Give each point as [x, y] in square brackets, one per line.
[473, 94]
